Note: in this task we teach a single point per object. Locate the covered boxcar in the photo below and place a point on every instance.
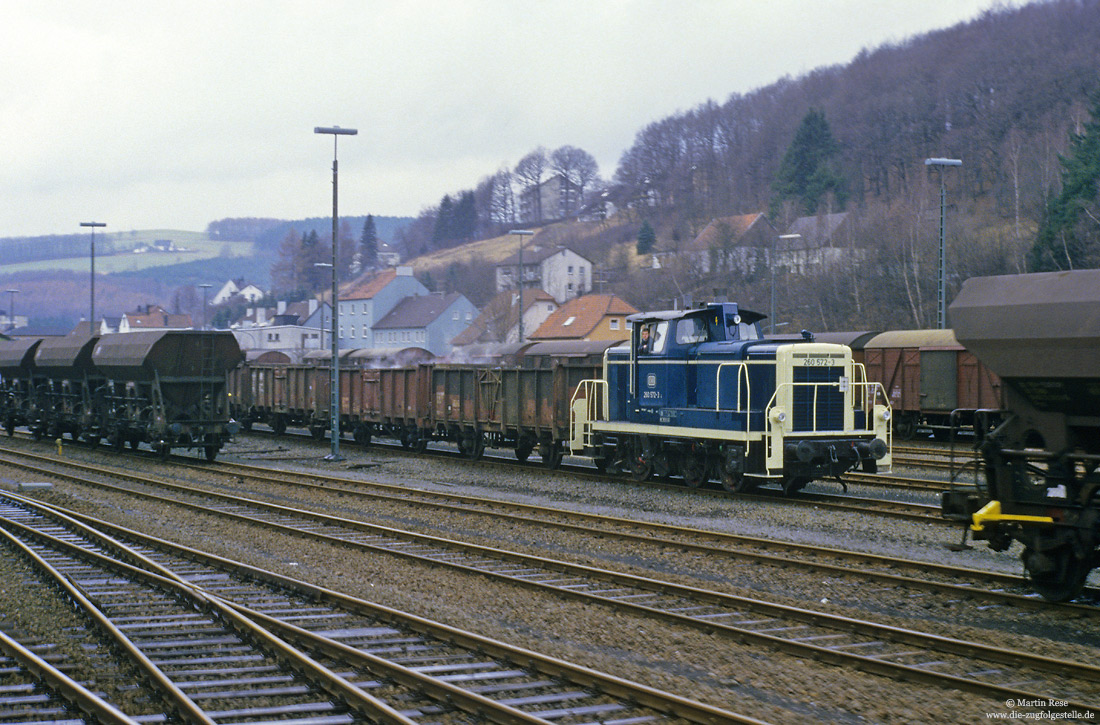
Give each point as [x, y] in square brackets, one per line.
[932, 381]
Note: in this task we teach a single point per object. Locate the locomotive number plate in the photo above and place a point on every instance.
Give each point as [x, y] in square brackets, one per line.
[818, 362]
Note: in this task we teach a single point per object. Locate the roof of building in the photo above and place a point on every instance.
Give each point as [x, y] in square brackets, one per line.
[417, 311]
[367, 286]
[579, 316]
[737, 226]
[814, 231]
[156, 317]
[535, 254]
[500, 316]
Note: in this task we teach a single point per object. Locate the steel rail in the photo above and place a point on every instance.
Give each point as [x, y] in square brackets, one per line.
[72, 691]
[656, 699]
[864, 662]
[336, 686]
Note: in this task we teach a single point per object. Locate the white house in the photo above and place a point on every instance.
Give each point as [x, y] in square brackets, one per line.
[558, 270]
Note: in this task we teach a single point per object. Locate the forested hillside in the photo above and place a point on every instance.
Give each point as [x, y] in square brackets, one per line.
[1006, 93]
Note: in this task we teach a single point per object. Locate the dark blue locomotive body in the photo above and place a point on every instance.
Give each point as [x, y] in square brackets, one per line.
[706, 396]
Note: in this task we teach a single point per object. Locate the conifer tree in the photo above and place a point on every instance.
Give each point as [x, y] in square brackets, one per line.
[647, 239]
[808, 172]
[368, 244]
[1069, 236]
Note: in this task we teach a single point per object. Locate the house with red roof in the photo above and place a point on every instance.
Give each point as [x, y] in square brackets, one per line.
[591, 317]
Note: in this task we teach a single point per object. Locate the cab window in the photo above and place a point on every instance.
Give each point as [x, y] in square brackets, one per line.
[660, 337]
[690, 331]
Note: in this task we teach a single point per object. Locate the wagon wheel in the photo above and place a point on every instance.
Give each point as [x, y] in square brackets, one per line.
[317, 431]
[134, 443]
[9, 426]
[551, 455]
[75, 433]
[696, 469]
[118, 441]
[1065, 579]
[92, 439]
[906, 426]
[524, 446]
[472, 445]
[279, 426]
[362, 436]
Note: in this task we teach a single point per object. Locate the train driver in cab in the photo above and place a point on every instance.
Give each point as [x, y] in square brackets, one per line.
[644, 343]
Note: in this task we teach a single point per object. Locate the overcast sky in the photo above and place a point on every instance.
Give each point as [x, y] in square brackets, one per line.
[167, 115]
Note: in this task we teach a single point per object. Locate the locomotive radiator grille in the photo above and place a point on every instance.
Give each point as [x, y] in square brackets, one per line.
[817, 401]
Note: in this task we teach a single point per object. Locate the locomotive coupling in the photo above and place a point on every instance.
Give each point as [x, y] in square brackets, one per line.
[810, 450]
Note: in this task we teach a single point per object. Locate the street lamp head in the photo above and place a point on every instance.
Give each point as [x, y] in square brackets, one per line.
[523, 232]
[943, 162]
[93, 224]
[336, 130]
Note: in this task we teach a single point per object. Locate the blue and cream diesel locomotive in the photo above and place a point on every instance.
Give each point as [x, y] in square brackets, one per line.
[706, 396]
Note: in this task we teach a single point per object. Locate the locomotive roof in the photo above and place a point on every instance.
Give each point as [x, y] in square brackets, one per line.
[748, 316]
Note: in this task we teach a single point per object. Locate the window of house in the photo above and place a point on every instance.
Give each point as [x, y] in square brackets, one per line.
[469, 316]
[341, 330]
[570, 286]
[568, 322]
[614, 323]
[570, 269]
[455, 316]
[351, 331]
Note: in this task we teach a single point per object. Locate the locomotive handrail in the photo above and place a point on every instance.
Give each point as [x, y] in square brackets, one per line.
[592, 401]
[741, 368]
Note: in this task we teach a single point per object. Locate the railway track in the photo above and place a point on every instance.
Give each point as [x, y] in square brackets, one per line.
[393, 667]
[988, 586]
[34, 690]
[905, 654]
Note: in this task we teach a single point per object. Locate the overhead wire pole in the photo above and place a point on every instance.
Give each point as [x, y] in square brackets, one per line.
[941, 306]
[91, 310]
[521, 233]
[334, 387]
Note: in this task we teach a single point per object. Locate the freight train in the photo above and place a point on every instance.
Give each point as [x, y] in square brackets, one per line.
[709, 399]
[164, 388]
[1040, 477]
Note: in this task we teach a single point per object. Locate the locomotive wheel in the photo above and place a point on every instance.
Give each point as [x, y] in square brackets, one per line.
[641, 468]
[1065, 577]
[696, 470]
[793, 484]
[551, 455]
[738, 482]
[524, 446]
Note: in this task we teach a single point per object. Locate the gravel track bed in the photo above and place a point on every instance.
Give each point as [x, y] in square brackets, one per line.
[752, 680]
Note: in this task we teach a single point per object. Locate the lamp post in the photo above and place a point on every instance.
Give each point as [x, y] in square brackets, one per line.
[775, 260]
[204, 286]
[334, 402]
[91, 311]
[521, 233]
[941, 307]
[11, 308]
